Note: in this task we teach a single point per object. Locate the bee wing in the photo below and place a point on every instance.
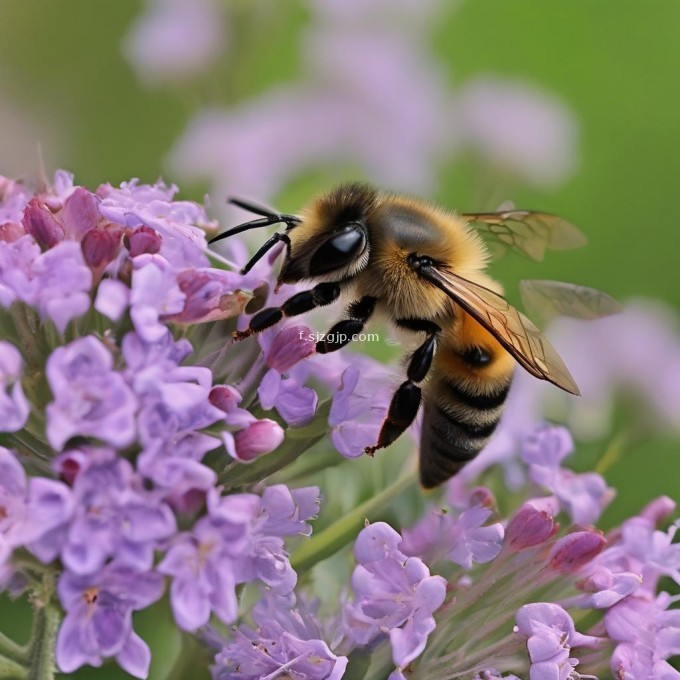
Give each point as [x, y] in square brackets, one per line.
[549, 299]
[511, 328]
[528, 232]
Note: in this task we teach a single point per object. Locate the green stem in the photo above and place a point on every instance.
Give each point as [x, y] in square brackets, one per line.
[342, 532]
[43, 643]
[10, 670]
[12, 651]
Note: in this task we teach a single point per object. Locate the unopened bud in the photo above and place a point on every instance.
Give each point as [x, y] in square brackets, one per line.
[658, 509]
[529, 527]
[225, 397]
[100, 247]
[288, 347]
[575, 550]
[41, 224]
[143, 240]
[259, 438]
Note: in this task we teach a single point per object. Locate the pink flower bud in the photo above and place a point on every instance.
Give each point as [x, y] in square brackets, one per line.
[481, 496]
[288, 347]
[143, 240]
[258, 438]
[575, 550]
[225, 397]
[658, 509]
[100, 247]
[529, 527]
[40, 223]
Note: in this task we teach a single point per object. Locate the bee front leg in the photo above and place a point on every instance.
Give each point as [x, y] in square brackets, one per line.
[406, 400]
[343, 332]
[319, 296]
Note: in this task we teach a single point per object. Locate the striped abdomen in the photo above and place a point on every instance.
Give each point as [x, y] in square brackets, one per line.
[464, 399]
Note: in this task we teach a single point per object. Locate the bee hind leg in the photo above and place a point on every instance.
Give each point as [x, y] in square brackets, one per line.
[322, 294]
[406, 400]
[343, 332]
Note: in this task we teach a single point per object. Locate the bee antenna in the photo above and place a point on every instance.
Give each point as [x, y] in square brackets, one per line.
[253, 207]
[268, 218]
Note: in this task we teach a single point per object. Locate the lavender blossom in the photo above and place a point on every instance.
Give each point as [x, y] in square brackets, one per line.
[550, 636]
[98, 622]
[90, 398]
[14, 406]
[287, 640]
[393, 593]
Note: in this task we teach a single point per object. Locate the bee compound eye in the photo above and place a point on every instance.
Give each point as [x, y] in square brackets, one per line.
[339, 250]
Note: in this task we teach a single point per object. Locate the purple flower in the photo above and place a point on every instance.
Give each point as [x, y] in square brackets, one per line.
[79, 213]
[392, 592]
[13, 199]
[602, 588]
[284, 348]
[29, 508]
[115, 518]
[281, 513]
[463, 538]
[647, 632]
[211, 294]
[550, 634]
[14, 407]
[358, 410]
[520, 129]
[295, 403]
[175, 41]
[98, 621]
[582, 496]
[286, 643]
[201, 564]
[16, 276]
[155, 294]
[113, 298]
[178, 222]
[62, 282]
[241, 540]
[90, 398]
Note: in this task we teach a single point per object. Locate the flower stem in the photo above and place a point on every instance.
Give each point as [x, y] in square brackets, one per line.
[12, 651]
[43, 643]
[344, 530]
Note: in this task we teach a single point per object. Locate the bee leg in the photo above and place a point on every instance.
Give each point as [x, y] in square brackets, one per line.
[406, 400]
[319, 296]
[343, 332]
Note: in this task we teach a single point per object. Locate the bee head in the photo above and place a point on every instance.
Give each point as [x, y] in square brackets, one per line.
[331, 243]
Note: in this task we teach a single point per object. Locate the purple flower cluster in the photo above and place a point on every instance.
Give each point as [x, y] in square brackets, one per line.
[287, 641]
[97, 390]
[393, 593]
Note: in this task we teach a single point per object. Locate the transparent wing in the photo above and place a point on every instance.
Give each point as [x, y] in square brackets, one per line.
[520, 337]
[530, 233]
[548, 299]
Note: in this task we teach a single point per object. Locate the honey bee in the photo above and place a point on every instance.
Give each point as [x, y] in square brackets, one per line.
[424, 268]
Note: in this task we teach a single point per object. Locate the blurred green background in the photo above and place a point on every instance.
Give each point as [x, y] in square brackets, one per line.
[65, 84]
